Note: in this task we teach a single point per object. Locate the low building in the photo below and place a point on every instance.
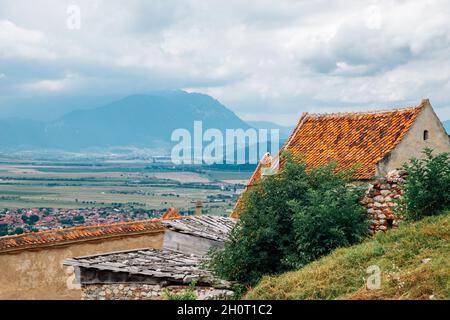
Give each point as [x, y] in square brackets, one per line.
[148, 273]
[145, 274]
[197, 234]
[32, 264]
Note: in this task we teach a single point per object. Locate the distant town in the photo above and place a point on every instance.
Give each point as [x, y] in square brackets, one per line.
[18, 221]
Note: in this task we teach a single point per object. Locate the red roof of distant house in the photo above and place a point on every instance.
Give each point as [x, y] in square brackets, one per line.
[78, 234]
[171, 213]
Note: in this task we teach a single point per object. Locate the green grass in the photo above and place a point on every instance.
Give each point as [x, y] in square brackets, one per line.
[227, 175]
[400, 255]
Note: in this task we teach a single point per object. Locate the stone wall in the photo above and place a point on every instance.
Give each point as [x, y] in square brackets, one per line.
[139, 291]
[381, 198]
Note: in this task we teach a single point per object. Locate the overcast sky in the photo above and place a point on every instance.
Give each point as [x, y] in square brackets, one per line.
[265, 60]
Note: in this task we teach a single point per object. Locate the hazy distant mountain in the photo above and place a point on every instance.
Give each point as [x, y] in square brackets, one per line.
[447, 126]
[284, 131]
[50, 108]
[138, 121]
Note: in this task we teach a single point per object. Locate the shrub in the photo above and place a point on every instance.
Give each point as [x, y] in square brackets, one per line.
[3, 229]
[427, 188]
[290, 218]
[331, 218]
[187, 294]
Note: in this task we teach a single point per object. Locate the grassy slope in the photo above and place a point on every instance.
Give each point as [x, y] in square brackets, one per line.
[398, 253]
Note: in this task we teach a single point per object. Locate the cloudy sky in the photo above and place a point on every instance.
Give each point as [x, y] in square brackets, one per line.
[265, 60]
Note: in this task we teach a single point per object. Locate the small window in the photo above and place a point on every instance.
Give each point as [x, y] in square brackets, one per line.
[425, 135]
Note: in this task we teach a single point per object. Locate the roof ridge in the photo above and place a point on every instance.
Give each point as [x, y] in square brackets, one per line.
[58, 237]
[361, 113]
[80, 228]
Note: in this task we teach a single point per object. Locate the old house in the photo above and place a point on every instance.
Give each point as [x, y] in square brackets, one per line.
[145, 274]
[32, 264]
[379, 141]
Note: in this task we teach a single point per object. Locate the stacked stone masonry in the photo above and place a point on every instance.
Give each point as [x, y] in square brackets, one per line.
[381, 198]
[138, 291]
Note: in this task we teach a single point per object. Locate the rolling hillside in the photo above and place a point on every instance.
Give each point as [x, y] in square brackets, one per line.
[414, 262]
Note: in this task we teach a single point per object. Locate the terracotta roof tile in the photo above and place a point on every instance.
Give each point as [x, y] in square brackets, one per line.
[86, 233]
[171, 213]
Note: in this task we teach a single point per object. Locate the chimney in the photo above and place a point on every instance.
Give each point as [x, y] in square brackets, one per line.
[198, 208]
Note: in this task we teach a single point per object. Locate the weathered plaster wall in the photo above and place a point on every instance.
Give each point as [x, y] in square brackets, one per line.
[413, 143]
[40, 274]
[137, 291]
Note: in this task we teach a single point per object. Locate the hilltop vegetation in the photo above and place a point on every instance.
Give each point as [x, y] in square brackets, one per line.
[294, 219]
[413, 260]
[290, 219]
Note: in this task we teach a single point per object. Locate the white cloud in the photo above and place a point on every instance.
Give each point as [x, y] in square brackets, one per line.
[53, 85]
[21, 42]
[268, 58]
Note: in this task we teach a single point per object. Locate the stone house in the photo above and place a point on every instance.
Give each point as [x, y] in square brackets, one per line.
[32, 264]
[145, 274]
[380, 142]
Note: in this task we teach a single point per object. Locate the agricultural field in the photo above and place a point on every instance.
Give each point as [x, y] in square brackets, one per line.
[139, 184]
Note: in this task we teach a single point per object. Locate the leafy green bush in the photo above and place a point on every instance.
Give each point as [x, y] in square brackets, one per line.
[332, 217]
[187, 294]
[3, 229]
[289, 219]
[427, 188]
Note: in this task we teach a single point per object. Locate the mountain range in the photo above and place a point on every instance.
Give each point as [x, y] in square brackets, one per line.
[137, 121]
[285, 131]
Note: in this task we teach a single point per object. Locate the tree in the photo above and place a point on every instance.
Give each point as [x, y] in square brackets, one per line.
[79, 219]
[427, 187]
[289, 219]
[33, 219]
[3, 229]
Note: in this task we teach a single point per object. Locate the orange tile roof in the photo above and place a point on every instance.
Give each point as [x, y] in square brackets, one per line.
[78, 234]
[363, 138]
[171, 213]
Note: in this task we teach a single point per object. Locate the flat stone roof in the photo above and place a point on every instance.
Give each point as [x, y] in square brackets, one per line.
[210, 227]
[164, 265]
